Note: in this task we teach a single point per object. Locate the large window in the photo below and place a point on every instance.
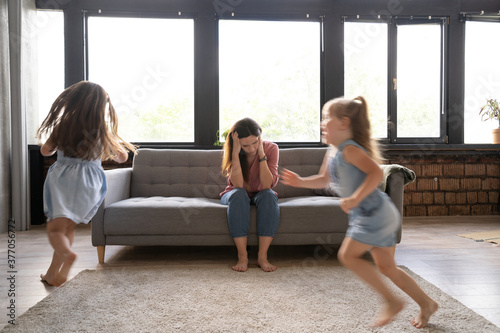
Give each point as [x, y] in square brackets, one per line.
[147, 67]
[178, 75]
[418, 80]
[482, 78]
[270, 71]
[397, 65]
[50, 65]
[365, 59]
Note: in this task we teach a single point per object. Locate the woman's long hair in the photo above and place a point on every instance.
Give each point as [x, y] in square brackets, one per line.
[244, 127]
[357, 111]
[79, 125]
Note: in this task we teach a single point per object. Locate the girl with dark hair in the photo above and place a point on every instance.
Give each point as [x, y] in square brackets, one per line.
[251, 167]
[82, 128]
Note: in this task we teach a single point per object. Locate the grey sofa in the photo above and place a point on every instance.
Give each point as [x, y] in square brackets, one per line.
[171, 197]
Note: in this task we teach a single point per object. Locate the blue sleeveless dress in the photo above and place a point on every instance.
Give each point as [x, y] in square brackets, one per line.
[376, 220]
[74, 188]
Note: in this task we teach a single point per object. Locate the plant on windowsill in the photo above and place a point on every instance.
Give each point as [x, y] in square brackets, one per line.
[491, 111]
[224, 135]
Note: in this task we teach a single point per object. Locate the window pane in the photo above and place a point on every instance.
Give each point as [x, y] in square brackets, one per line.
[50, 36]
[482, 78]
[419, 80]
[365, 71]
[270, 71]
[147, 67]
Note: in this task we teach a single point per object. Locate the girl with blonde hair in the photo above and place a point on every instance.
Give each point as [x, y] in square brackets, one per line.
[354, 169]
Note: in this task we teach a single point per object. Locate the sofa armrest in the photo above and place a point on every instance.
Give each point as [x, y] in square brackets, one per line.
[395, 189]
[118, 184]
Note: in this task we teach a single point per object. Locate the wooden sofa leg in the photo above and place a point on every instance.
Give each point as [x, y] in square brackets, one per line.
[100, 253]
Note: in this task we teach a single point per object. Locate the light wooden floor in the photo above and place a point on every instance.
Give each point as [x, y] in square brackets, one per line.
[467, 270]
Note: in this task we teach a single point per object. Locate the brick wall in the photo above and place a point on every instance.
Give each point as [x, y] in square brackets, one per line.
[450, 183]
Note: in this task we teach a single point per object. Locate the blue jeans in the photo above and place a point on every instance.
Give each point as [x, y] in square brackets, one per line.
[238, 212]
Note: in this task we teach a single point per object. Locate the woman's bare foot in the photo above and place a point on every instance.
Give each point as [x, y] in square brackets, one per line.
[266, 265]
[390, 310]
[241, 265]
[425, 314]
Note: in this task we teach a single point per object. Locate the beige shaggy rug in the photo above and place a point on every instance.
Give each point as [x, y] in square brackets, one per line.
[484, 236]
[215, 299]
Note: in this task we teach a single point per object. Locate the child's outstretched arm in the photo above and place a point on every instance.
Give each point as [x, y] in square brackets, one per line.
[320, 180]
[374, 176]
[121, 156]
[48, 148]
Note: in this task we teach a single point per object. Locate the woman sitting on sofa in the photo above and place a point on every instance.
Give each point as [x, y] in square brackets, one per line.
[251, 167]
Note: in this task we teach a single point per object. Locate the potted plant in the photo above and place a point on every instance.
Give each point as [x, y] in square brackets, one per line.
[224, 135]
[491, 111]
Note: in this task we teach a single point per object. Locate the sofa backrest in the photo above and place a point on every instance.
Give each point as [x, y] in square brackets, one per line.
[177, 173]
[305, 162]
[197, 173]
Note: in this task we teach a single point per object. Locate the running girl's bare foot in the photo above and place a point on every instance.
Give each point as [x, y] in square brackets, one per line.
[53, 281]
[390, 310]
[241, 265]
[425, 314]
[266, 265]
[62, 276]
[47, 278]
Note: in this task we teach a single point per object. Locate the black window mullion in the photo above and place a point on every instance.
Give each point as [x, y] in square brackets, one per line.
[85, 37]
[444, 85]
[392, 112]
[206, 71]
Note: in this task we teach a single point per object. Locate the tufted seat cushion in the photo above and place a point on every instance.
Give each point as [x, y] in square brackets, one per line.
[202, 216]
[166, 215]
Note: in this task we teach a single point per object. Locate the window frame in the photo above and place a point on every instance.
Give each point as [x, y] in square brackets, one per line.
[86, 14]
[485, 17]
[281, 18]
[206, 108]
[392, 113]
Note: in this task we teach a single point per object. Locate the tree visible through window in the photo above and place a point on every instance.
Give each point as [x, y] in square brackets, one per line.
[365, 70]
[270, 71]
[50, 56]
[400, 77]
[482, 78]
[419, 80]
[147, 67]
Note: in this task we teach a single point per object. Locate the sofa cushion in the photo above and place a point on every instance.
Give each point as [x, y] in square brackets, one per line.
[203, 216]
[178, 173]
[303, 214]
[165, 215]
[305, 162]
